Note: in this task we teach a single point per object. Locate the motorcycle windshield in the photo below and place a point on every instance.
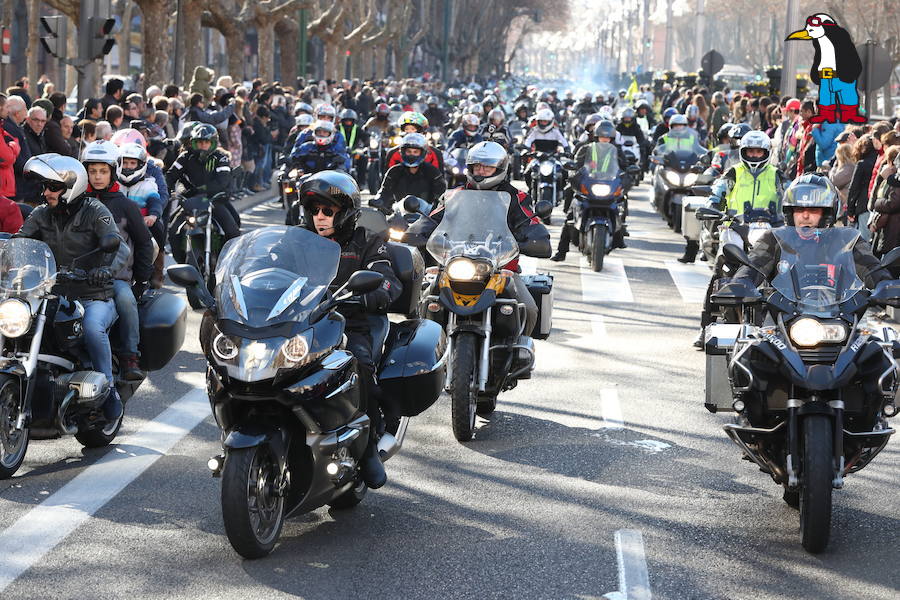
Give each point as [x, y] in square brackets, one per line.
[273, 275]
[682, 140]
[816, 269]
[27, 268]
[474, 225]
[602, 161]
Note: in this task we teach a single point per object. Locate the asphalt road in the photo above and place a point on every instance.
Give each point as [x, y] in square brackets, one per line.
[601, 473]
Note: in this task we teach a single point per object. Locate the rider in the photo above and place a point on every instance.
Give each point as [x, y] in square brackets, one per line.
[662, 128]
[433, 113]
[628, 126]
[413, 122]
[812, 202]
[322, 151]
[205, 169]
[331, 203]
[546, 136]
[495, 128]
[728, 153]
[101, 160]
[695, 122]
[412, 176]
[72, 225]
[467, 134]
[357, 141]
[753, 183]
[604, 132]
[379, 120]
[487, 165]
[326, 113]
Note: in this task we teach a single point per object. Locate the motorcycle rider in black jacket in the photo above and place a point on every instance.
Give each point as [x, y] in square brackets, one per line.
[331, 204]
[72, 225]
[412, 176]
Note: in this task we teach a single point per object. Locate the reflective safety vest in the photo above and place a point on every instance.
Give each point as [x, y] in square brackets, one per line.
[674, 144]
[593, 166]
[757, 190]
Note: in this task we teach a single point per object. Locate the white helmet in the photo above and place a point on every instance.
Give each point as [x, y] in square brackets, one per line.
[545, 114]
[101, 151]
[56, 171]
[755, 139]
[490, 154]
[303, 120]
[131, 176]
[323, 132]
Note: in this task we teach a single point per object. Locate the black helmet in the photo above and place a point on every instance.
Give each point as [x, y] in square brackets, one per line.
[334, 187]
[737, 132]
[348, 114]
[397, 107]
[605, 129]
[204, 131]
[403, 99]
[724, 132]
[813, 191]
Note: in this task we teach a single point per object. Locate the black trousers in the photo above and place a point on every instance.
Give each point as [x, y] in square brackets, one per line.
[359, 343]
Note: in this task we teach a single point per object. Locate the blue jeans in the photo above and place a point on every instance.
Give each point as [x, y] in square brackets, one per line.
[862, 222]
[129, 323]
[834, 91]
[267, 168]
[99, 316]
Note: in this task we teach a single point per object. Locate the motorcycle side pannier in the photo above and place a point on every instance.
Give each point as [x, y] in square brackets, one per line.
[163, 318]
[541, 288]
[410, 269]
[690, 226]
[413, 367]
[719, 339]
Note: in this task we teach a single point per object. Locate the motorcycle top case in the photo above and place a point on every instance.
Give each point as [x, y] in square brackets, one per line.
[413, 367]
[163, 318]
[541, 287]
[409, 267]
[690, 226]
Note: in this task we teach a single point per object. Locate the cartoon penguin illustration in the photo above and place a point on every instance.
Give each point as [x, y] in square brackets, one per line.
[835, 69]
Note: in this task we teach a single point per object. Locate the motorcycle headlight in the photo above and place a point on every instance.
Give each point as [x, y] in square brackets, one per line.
[456, 170]
[296, 349]
[690, 178]
[15, 317]
[672, 177]
[288, 189]
[806, 332]
[464, 269]
[396, 235]
[373, 144]
[546, 169]
[224, 348]
[600, 189]
[293, 173]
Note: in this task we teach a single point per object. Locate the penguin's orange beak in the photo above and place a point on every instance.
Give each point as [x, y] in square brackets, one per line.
[799, 35]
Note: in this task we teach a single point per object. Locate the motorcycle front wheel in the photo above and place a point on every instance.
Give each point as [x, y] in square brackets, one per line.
[13, 442]
[372, 178]
[252, 507]
[816, 482]
[548, 197]
[463, 398]
[599, 242]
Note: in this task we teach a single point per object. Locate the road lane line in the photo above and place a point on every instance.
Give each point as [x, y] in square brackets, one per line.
[611, 410]
[609, 285]
[39, 530]
[598, 328]
[634, 582]
[691, 280]
[528, 264]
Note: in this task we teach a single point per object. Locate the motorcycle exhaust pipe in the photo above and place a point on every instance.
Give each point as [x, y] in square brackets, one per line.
[390, 444]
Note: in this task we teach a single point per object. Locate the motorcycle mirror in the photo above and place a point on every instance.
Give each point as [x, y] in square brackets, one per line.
[184, 275]
[891, 258]
[736, 254]
[709, 214]
[362, 282]
[543, 209]
[886, 293]
[414, 204]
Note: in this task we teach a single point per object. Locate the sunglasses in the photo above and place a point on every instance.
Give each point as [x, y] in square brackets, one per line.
[817, 22]
[54, 186]
[325, 210]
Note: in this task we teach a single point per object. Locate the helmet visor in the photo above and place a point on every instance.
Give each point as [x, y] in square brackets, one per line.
[809, 195]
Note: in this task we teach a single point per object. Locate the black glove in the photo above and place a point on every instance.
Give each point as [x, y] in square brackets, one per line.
[139, 288]
[99, 277]
[376, 301]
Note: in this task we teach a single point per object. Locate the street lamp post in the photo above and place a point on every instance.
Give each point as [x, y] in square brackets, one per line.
[789, 66]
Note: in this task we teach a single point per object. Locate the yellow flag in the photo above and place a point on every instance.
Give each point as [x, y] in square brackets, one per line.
[632, 89]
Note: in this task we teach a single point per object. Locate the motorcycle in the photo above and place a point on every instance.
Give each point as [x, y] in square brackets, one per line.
[545, 174]
[489, 349]
[600, 204]
[196, 238]
[47, 389]
[811, 385]
[455, 166]
[675, 174]
[287, 178]
[324, 161]
[632, 151]
[283, 389]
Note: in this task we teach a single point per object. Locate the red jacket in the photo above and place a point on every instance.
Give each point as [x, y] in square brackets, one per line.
[9, 151]
[10, 216]
[394, 158]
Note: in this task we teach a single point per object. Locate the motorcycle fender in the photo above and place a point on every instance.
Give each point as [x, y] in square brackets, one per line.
[596, 221]
[475, 328]
[485, 301]
[252, 434]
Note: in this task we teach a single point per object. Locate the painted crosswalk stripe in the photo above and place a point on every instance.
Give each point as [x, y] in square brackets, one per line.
[634, 581]
[611, 410]
[528, 264]
[39, 530]
[609, 285]
[691, 280]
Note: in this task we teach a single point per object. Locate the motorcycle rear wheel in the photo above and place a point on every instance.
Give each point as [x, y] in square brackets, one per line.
[599, 243]
[100, 437]
[816, 482]
[13, 443]
[463, 398]
[252, 510]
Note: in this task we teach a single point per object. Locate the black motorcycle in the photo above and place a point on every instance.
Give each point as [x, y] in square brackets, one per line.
[47, 389]
[811, 386]
[283, 389]
[677, 166]
[544, 172]
[196, 238]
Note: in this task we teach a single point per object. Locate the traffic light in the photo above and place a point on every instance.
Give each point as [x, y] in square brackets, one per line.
[54, 42]
[99, 40]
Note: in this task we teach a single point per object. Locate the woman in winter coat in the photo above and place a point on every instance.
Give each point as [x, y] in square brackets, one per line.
[865, 153]
[841, 174]
[887, 204]
[10, 215]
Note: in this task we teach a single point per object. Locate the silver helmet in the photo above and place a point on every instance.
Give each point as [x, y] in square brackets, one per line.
[57, 170]
[490, 154]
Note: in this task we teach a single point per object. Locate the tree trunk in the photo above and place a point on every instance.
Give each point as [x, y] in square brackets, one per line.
[193, 42]
[234, 48]
[154, 42]
[34, 42]
[124, 42]
[332, 58]
[379, 54]
[266, 49]
[888, 103]
[71, 51]
[288, 38]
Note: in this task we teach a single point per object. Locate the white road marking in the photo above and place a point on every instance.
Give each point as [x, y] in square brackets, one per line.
[528, 264]
[598, 328]
[609, 285]
[691, 280]
[611, 410]
[39, 530]
[634, 582]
